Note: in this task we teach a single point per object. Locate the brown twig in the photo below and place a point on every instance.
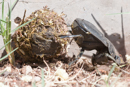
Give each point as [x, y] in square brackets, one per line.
[77, 73]
[47, 67]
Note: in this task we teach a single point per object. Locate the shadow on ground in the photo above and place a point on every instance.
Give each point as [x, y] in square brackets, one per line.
[115, 38]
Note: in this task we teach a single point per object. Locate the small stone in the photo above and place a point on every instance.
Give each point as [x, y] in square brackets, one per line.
[15, 85]
[2, 85]
[104, 77]
[26, 69]
[37, 79]
[8, 69]
[27, 78]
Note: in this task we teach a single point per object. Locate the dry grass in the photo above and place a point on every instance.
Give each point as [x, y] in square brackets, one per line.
[60, 75]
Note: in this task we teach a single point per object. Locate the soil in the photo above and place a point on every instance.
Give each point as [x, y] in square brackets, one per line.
[57, 73]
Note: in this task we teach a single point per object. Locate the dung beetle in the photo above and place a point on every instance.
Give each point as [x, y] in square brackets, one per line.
[88, 37]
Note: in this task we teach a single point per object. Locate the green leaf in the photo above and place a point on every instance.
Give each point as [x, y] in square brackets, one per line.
[22, 25]
[8, 29]
[3, 10]
[2, 13]
[4, 33]
[2, 27]
[3, 21]
[8, 54]
[0, 32]
[111, 71]
[9, 12]
[5, 44]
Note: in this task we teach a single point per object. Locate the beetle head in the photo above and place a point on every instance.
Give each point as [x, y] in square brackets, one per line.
[76, 23]
[79, 40]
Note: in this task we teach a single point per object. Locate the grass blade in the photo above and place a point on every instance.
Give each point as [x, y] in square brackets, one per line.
[22, 25]
[34, 84]
[12, 6]
[5, 44]
[3, 21]
[5, 31]
[8, 54]
[9, 12]
[2, 28]
[3, 72]
[109, 75]
[3, 10]
[116, 79]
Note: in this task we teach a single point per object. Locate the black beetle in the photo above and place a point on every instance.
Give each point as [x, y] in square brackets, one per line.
[88, 37]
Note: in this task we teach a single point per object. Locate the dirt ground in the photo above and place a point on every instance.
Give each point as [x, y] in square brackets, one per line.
[57, 73]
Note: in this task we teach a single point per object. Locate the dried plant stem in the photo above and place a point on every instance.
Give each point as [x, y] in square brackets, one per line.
[47, 67]
[11, 57]
[76, 73]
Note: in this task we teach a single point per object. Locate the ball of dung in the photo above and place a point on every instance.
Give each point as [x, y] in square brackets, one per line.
[40, 38]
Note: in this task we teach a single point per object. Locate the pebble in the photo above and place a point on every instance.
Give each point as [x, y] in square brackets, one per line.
[27, 78]
[26, 69]
[37, 79]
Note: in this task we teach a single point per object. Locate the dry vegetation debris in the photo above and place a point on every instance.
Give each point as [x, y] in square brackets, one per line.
[60, 75]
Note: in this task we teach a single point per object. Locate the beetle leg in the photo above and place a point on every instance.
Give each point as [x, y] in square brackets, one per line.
[70, 31]
[93, 60]
[70, 36]
[79, 55]
[116, 59]
[109, 56]
[71, 40]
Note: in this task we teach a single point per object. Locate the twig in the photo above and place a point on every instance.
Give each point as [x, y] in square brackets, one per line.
[96, 82]
[65, 82]
[23, 17]
[85, 78]
[124, 71]
[53, 76]
[14, 5]
[77, 73]
[47, 67]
